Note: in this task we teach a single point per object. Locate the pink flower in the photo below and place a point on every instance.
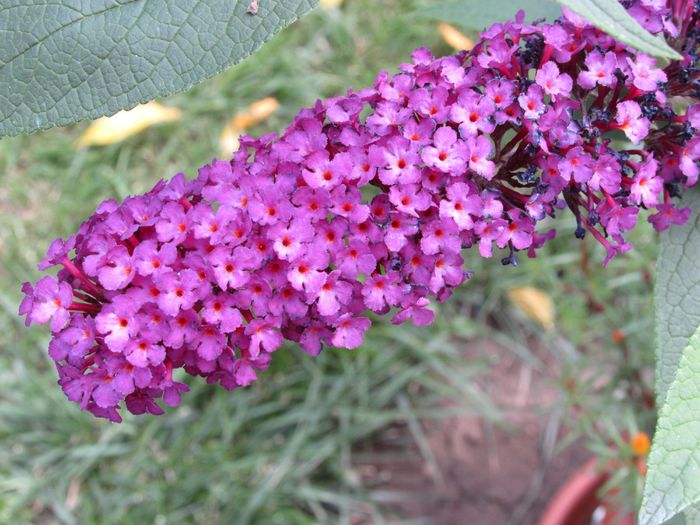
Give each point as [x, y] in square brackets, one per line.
[382, 291]
[668, 215]
[410, 199]
[117, 271]
[473, 114]
[220, 311]
[142, 353]
[601, 70]
[630, 120]
[576, 165]
[553, 82]
[479, 149]
[331, 295]
[149, 259]
[264, 336]
[646, 76]
[532, 102]
[441, 236]
[418, 313]
[447, 273]
[326, 173]
[290, 240]
[117, 323]
[647, 186]
[177, 291]
[399, 160]
[48, 301]
[460, 206]
[448, 153]
[229, 267]
[350, 331]
[519, 231]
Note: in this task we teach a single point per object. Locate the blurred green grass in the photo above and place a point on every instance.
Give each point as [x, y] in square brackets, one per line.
[281, 451]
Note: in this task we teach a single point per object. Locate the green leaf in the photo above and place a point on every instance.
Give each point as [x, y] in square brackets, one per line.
[477, 14]
[677, 299]
[69, 60]
[691, 515]
[673, 479]
[610, 16]
[677, 294]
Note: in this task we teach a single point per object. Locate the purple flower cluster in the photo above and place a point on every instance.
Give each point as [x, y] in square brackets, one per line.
[366, 202]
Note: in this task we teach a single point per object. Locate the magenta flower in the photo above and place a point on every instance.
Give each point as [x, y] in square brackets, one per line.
[325, 173]
[264, 336]
[441, 236]
[399, 160]
[350, 331]
[460, 206]
[532, 102]
[382, 291]
[142, 353]
[689, 161]
[630, 120]
[419, 314]
[668, 215]
[410, 199]
[447, 154]
[553, 82]
[473, 113]
[479, 150]
[116, 269]
[370, 202]
[576, 166]
[646, 76]
[601, 70]
[647, 186]
[149, 259]
[331, 295]
[219, 310]
[178, 291]
[117, 324]
[48, 301]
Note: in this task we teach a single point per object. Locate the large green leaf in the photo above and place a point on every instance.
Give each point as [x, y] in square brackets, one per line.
[611, 17]
[677, 293]
[477, 14]
[677, 317]
[68, 60]
[673, 479]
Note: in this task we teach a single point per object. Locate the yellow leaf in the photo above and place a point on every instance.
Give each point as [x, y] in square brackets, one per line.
[256, 112]
[534, 303]
[108, 130]
[327, 4]
[454, 37]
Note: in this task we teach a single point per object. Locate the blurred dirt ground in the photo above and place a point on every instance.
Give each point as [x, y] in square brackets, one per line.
[479, 473]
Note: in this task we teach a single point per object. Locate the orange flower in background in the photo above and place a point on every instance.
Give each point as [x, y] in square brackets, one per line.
[640, 444]
[618, 336]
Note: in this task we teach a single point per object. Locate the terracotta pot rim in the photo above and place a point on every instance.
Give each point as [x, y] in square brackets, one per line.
[574, 503]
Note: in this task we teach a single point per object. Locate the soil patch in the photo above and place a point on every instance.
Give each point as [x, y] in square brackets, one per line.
[467, 470]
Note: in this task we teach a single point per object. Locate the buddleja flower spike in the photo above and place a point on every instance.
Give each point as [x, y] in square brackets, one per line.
[301, 234]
